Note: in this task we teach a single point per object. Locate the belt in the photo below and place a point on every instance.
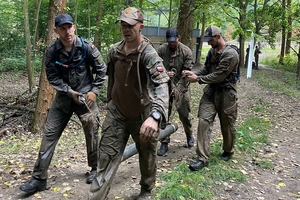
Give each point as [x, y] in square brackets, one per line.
[225, 88]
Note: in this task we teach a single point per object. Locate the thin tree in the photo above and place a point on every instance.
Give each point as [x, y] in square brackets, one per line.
[28, 45]
[290, 25]
[283, 34]
[46, 93]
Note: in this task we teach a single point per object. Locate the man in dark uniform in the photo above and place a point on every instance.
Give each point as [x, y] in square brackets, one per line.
[68, 61]
[247, 56]
[177, 57]
[220, 96]
[256, 56]
[138, 104]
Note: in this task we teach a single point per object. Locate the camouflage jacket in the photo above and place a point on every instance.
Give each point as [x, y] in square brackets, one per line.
[126, 78]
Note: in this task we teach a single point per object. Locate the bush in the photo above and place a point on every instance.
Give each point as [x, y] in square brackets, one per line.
[16, 64]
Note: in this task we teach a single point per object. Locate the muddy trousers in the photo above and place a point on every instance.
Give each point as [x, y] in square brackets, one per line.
[184, 116]
[57, 119]
[115, 134]
[224, 103]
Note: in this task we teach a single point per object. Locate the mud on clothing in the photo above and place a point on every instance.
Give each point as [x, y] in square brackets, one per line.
[65, 81]
[126, 113]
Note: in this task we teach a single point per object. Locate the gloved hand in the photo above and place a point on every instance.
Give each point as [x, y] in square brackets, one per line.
[90, 98]
[75, 96]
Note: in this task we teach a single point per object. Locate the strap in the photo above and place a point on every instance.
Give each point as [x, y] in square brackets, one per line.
[82, 59]
[138, 70]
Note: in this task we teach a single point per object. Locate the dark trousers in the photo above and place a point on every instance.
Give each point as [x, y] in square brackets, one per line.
[58, 116]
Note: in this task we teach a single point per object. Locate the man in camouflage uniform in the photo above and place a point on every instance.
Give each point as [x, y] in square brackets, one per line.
[138, 105]
[176, 58]
[220, 96]
[68, 61]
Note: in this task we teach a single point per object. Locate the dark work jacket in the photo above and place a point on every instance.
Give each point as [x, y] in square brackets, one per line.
[80, 78]
[217, 74]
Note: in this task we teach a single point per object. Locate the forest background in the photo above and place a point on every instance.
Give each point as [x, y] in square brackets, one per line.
[27, 27]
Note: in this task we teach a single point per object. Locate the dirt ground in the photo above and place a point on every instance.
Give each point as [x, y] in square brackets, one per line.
[281, 182]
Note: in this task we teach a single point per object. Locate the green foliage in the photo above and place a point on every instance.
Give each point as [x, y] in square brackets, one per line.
[18, 63]
[289, 63]
[265, 164]
[286, 79]
[181, 183]
[251, 133]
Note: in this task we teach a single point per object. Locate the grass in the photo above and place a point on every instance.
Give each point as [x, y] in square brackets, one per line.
[252, 134]
[181, 183]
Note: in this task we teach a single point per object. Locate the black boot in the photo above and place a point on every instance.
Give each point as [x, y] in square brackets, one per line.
[91, 176]
[190, 141]
[34, 185]
[195, 166]
[226, 156]
[163, 149]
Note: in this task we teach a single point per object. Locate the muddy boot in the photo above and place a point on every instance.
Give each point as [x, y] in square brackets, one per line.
[163, 149]
[190, 141]
[34, 185]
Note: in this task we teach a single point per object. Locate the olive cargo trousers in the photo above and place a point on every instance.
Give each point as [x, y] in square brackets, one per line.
[115, 134]
[221, 101]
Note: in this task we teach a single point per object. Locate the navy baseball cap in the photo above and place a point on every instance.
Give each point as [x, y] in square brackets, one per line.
[172, 35]
[63, 19]
[210, 32]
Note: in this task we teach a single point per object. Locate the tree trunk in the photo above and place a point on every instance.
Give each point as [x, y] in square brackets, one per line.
[37, 7]
[281, 58]
[28, 45]
[289, 33]
[242, 47]
[97, 36]
[46, 93]
[185, 22]
[200, 45]
[298, 65]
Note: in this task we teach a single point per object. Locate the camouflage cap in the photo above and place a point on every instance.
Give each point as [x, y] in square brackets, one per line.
[131, 16]
[210, 32]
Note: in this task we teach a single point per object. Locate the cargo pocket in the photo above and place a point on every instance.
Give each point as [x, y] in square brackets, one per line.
[231, 113]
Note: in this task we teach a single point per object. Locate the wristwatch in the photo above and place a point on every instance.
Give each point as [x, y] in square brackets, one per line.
[156, 116]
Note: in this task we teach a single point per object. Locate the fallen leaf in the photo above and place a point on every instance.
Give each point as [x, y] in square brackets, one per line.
[281, 184]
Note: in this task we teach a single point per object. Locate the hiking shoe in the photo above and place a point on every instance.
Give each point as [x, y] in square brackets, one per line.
[190, 141]
[195, 166]
[226, 156]
[91, 176]
[163, 149]
[33, 185]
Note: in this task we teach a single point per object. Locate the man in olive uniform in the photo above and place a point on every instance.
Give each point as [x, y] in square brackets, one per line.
[220, 73]
[70, 64]
[176, 58]
[138, 105]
